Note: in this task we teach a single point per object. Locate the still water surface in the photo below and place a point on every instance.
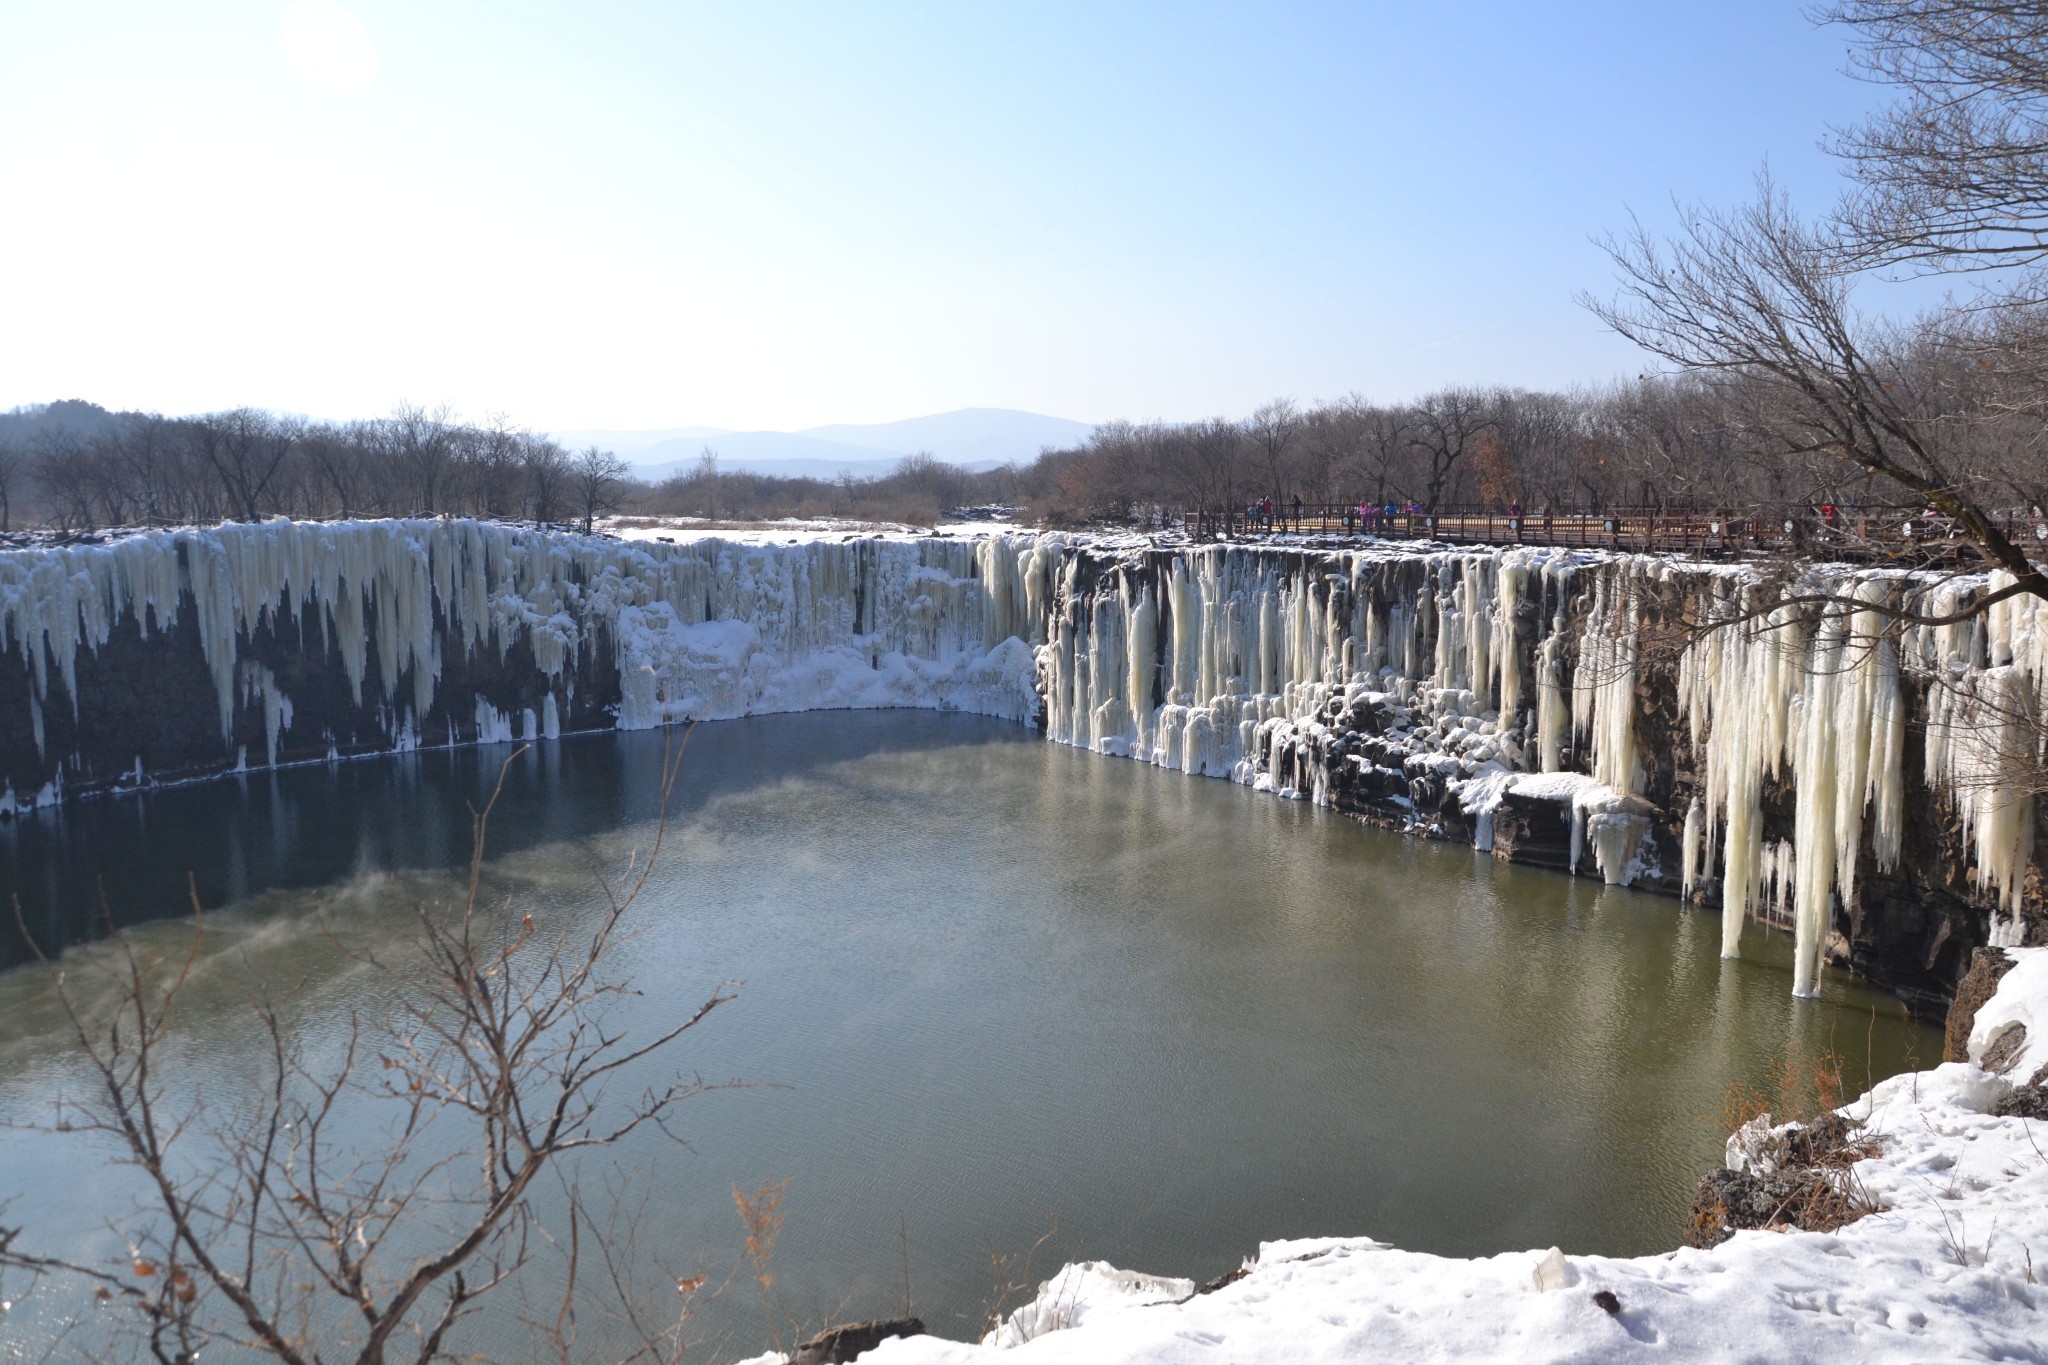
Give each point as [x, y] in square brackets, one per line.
[994, 988]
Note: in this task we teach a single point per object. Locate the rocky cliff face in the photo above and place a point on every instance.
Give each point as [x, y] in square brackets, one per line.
[1815, 770]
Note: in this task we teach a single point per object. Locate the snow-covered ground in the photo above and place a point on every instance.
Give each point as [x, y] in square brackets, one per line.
[793, 530]
[1953, 1267]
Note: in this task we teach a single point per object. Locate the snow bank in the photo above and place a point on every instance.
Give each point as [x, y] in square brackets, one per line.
[1951, 1268]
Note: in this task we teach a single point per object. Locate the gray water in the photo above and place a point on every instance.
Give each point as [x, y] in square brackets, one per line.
[994, 990]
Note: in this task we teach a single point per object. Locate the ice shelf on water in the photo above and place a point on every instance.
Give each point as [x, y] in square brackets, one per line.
[1475, 670]
[1949, 1268]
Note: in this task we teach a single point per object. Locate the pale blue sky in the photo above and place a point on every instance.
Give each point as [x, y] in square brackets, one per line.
[775, 215]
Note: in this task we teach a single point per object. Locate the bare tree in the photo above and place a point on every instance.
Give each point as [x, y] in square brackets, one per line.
[546, 466]
[490, 456]
[1383, 449]
[1332, 438]
[66, 479]
[1443, 433]
[146, 452]
[422, 445]
[597, 479]
[1209, 462]
[263, 1230]
[707, 475]
[343, 463]
[1953, 175]
[1273, 429]
[1761, 295]
[925, 485]
[245, 449]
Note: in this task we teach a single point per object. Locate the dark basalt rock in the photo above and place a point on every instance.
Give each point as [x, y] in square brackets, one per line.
[838, 1345]
[1529, 830]
[1988, 967]
[2029, 1101]
[1727, 1202]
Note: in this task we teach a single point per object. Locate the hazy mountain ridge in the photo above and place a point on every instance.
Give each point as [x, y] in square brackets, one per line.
[973, 438]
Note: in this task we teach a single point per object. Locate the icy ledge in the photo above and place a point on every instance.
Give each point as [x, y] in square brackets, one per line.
[1954, 1267]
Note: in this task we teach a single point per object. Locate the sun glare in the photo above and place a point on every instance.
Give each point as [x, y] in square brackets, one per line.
[328, 45]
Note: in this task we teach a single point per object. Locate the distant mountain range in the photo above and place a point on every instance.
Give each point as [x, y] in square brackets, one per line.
[973, 438]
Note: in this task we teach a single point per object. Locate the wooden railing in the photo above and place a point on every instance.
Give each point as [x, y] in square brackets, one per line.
[1845, 532]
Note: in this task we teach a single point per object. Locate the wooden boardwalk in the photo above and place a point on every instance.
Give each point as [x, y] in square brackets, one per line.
[1854, 533]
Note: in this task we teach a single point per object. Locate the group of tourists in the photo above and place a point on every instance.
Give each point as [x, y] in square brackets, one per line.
[1377, 518]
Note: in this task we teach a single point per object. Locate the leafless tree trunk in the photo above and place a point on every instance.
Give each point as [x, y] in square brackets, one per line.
[10, 477]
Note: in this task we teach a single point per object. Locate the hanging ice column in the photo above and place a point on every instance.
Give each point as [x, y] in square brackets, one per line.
[1610, 816]
[1987, 700]
[1771, 684]
[1230, 661]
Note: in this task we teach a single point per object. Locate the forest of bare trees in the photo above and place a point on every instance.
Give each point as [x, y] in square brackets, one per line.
[1704, 439]
[1708, 437]
[72, 465]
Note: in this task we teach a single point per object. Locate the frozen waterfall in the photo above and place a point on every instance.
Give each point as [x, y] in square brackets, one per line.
[1453, 684]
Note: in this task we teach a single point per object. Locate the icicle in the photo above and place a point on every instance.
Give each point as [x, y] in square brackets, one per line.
[1689, 846]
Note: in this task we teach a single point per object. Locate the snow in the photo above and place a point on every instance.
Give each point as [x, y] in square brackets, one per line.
[1946, 1270]
[2022, 999]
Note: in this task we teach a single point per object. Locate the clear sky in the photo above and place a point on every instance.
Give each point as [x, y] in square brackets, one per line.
[762, 214]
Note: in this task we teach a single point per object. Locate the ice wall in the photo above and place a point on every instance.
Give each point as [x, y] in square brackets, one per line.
[1263, 665]
[707, 628]
[1448, 690]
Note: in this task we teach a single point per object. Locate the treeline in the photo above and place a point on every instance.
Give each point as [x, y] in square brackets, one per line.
[1731, 438]
[1726, 440]
[1721, 440]
[74, 464]
[920, 490]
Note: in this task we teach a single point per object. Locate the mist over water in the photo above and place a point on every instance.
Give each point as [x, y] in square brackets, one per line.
[994, 987]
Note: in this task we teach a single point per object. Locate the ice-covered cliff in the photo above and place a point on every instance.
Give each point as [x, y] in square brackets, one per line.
[1811, 766]
[171, 654]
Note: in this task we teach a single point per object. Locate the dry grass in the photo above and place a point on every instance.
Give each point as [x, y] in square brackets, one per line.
[1013, 1282]
[761, 1214]
[1811, 1182]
